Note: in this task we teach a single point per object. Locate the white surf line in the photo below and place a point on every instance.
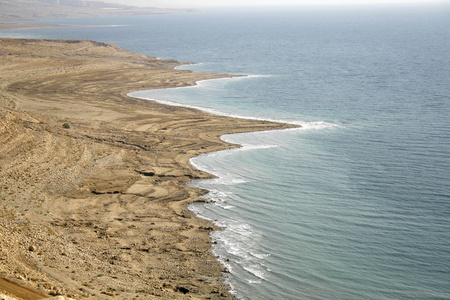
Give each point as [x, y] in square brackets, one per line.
[200, 83]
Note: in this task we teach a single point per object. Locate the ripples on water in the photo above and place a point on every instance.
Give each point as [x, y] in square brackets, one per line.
[355, 205]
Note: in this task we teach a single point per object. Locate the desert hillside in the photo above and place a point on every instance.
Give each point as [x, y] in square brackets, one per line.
[26, 10]
[93, 184]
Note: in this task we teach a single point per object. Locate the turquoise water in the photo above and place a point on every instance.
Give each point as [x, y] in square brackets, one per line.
[356, 203]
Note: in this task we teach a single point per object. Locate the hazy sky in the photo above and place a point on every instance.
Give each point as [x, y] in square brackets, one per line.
[196, 3]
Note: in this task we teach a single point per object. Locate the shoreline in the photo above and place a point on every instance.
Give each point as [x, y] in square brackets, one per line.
[25, 26]
[89, 174]
[135, 94]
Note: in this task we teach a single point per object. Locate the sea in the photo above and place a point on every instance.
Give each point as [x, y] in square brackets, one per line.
[355, 204]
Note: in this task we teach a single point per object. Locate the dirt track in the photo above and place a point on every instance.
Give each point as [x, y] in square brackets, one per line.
[19, 291]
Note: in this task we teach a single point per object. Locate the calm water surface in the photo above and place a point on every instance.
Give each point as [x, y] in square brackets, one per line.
[356, 203]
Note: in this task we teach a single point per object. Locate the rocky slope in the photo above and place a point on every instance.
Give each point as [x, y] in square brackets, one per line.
[93, 184]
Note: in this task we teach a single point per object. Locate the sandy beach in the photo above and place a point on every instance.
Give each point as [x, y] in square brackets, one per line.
[93, 183]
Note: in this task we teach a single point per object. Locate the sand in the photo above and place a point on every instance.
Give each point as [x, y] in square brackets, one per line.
[93, 183]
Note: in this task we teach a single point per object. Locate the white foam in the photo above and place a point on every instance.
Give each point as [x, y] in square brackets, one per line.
[254, 281]
[260, 255]
[316, 125]
[219, 199]
[243, 230]
[229, 180]
[237, 250]
[185, 65]
[304, 125]
[236, 229]
[237, 244]
[198, 212]
[259, 76]
[218, 196]
[223, 178]
[227, 207]
[248, 147]
[212, 84]
[255, 270]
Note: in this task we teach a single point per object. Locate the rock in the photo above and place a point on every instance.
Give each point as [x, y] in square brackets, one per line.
[182, 289]
[4, 297]
[32, 248]
[55, 293]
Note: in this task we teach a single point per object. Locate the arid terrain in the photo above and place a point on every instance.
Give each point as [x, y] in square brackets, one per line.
[14, 11]
[93, 184]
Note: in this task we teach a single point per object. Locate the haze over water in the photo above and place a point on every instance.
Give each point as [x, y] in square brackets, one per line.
[356, 204]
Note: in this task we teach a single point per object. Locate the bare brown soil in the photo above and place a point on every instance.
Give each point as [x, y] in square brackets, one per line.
[93, 184]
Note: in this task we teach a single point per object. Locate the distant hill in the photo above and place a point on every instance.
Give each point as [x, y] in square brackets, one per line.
[27, 10]
[81, 3]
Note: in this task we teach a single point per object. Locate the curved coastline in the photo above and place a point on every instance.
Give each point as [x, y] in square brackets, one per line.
[105, 177]
[235, 147]
[294, 125]
[215, 197]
